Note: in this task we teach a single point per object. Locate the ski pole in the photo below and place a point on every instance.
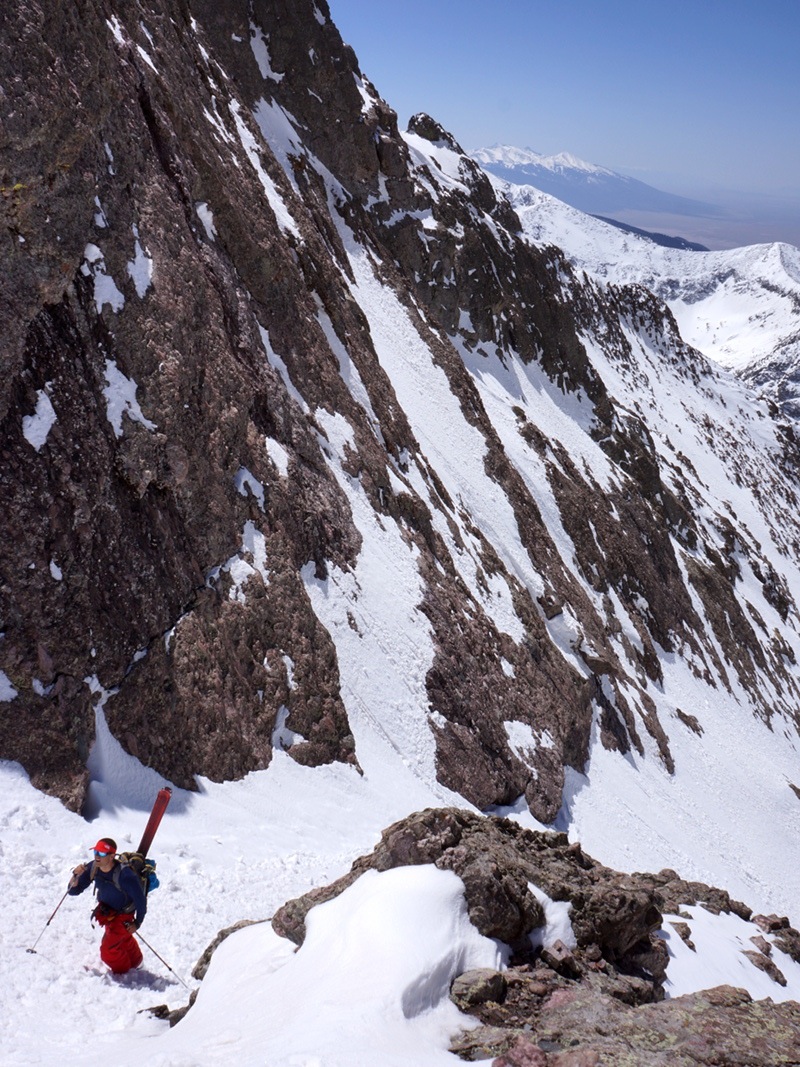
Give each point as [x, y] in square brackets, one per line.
[39, 938]
[161, 958]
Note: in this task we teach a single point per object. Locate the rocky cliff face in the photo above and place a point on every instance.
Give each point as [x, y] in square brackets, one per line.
[251, 331]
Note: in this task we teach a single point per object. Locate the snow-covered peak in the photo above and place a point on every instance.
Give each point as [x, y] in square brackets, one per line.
[584, 185]
[740, 307]
[567, 161]
[509, 156]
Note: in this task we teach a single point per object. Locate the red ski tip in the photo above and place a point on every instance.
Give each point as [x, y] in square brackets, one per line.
[159, 807]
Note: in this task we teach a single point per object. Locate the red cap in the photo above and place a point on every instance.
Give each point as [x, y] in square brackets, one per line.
[104, 847]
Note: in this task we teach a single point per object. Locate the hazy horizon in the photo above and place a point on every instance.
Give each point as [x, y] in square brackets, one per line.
[700, 100]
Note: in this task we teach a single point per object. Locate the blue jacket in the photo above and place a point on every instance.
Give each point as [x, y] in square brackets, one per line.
[129, 897]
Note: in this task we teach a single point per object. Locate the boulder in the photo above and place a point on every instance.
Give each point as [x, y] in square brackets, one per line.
[498, 861]
[765, 964]
[478, 987]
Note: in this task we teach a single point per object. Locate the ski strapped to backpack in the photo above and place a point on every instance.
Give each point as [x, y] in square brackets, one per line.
[143, 868]
[156, 815]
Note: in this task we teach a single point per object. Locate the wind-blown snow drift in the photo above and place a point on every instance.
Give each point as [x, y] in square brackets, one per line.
[369, 985]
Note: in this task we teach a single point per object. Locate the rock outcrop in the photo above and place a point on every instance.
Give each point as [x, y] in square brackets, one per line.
[584, 1027]
[613, 916]
[599, 1000]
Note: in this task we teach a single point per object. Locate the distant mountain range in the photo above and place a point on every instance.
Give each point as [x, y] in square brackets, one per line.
[595, 190]
[740, 307]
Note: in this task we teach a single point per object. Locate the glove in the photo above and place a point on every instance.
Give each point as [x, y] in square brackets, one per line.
[76, 875]
[132, 926]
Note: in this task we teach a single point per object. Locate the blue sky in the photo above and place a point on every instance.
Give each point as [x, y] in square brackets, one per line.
[689, 94]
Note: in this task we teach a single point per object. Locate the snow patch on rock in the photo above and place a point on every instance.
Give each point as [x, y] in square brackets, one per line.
[37, 426]
[120, 394]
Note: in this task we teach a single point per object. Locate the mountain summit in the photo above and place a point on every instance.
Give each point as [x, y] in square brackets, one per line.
[586, 186]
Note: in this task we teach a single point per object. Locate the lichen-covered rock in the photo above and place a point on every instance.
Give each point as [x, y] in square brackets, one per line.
[581, 1027]
[498, 860]
[478, 987]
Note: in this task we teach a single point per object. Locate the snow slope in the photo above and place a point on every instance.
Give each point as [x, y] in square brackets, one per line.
[229, 852]
[368, 987]
[739, 307]
[686, 819]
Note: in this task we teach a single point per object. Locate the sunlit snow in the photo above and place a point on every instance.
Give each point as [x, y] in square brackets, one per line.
[7, 690]
[735, 306]
[105, 288]
[206, 216]
[140, 268]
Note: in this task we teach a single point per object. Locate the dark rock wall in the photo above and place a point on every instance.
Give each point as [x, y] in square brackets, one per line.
[158, 252]
[100, 149]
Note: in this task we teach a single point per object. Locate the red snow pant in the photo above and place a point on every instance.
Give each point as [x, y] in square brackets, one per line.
[119, 948]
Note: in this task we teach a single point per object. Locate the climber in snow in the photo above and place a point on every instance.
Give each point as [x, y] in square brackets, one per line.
[121, 904]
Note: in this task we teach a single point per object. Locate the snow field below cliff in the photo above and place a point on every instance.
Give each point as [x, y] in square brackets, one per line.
[383, 642]
[233, 851]
[369, 986]
[727, 816]
[719, 819]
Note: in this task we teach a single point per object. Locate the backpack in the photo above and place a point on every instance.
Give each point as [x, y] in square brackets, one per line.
[145, 870]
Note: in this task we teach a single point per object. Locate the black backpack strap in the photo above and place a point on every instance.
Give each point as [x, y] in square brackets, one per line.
[116, 877]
